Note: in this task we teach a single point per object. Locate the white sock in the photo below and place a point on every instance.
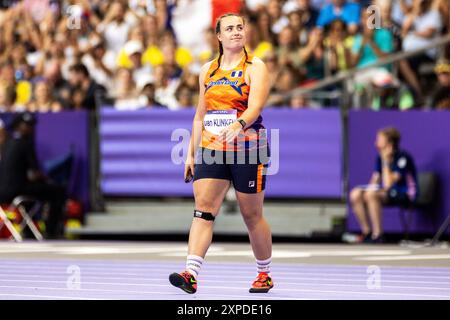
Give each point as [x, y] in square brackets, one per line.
[263, 265]
[194, 264]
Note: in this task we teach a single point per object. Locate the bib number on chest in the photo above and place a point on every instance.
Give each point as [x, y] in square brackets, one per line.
[216, 120]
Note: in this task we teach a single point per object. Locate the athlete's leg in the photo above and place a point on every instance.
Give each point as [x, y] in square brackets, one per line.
[374, 200]
[209, 194]
[357, 202]
[251, 205]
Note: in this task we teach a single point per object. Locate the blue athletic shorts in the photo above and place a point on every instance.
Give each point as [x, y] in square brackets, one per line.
[245, 169]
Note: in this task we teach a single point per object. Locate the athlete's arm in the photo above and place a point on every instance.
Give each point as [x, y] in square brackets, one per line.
[259, 92]
[375, 179]
[389, 177]
[197, 125]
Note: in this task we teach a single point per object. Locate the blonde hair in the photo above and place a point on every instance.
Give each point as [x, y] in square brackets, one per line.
[393, 136]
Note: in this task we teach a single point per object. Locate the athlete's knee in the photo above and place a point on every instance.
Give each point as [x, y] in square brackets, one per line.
[371, 196]
[207, 216]
[356, 195]
[252, 218]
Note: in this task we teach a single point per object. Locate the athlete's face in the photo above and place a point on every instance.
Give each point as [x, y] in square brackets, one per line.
[381, 142]
[232, 32]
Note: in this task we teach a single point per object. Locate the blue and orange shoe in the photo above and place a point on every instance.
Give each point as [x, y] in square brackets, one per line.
[185, 281]
[262, 284]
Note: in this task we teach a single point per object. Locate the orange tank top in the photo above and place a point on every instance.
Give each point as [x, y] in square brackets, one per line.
[226, 98]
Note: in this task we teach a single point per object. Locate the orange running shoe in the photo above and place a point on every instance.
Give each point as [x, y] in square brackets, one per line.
[262, 284]
[185, 281]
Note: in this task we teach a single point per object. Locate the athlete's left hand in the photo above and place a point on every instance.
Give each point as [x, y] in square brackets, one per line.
[228, 134]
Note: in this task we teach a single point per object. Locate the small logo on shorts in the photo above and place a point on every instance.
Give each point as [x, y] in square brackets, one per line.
[251, 184]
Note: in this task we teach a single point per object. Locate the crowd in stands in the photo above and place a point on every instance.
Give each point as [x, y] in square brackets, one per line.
[76, 54]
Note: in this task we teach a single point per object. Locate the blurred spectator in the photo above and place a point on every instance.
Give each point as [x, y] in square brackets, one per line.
[133, 50]
[148, 96]
[313, 58]
[307, 13]
[301, 101]
[422, 25]
[43, 101]
[393, 182]
[278, 20]
[165, 89]
[271, 61]
[287, 80]
[59, 86]
[127, 96]
[297, 24]
[190, 15]
[77, 99]
[212, 49]
[338, 47]
[115, 27]
[189, 79]
[347, 11]
[80, 79]
[443, 6]
[254, 43]
[7, 74]
[95, 62]
[441, 97]
[256, 5]
[184, 97]
[150, 27]
[388, 93]
[288, 48]
[8, 99]
[24, 87]
[400, 9]
[171, 65]
[369, 46]
[20, 174]
[264, 22]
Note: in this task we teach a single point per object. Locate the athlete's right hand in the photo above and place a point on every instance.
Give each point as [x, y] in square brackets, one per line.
[189, 170]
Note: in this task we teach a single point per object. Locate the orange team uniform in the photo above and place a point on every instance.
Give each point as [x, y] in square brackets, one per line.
[226, 98]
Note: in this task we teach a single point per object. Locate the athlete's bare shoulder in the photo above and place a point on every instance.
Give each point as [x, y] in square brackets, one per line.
[257, 63]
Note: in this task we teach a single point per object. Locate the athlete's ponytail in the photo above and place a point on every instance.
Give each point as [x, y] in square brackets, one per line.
[220, 42]
[246, 56]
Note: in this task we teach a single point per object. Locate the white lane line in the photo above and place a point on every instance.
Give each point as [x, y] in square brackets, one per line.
[181, 251]
[221, 264]
[84, 282]
[280, 254]
[383, 293]
[405, 258]
[204, 277]
[45, 297]
[86, 290]
[210, 268]
[153, 269]
[210, 276]
[90, 250]
[359, 293]
[157, 293]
